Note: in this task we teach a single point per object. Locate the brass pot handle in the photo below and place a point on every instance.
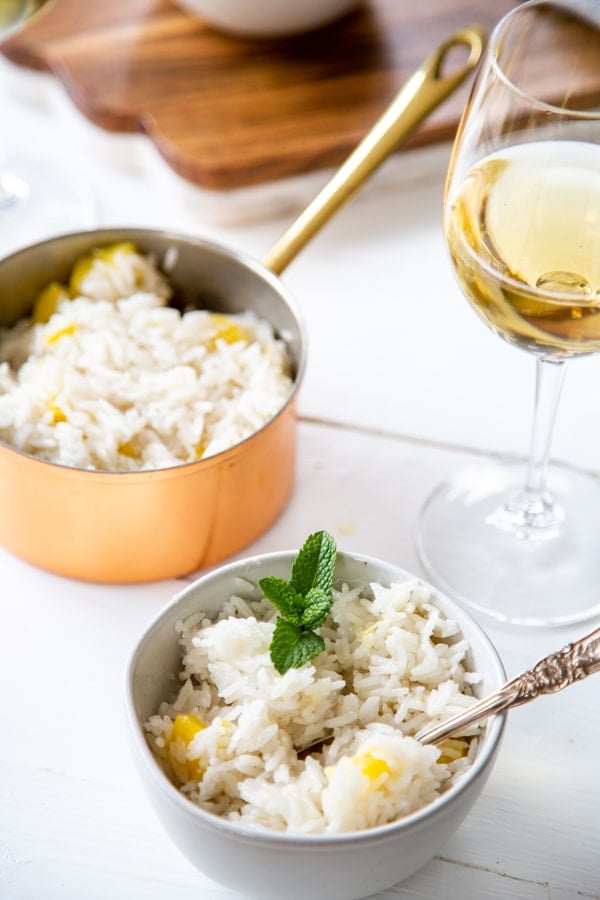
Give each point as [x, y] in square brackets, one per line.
[423, 92]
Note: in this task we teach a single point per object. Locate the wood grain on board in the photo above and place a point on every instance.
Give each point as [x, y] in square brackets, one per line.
[226, 112]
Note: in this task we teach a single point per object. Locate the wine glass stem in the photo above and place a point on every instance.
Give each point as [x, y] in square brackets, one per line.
[550, 375]
[531, 514]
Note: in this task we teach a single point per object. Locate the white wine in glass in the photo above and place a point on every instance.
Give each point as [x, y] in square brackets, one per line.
[534, 277]
[38, 198]
[522, 224]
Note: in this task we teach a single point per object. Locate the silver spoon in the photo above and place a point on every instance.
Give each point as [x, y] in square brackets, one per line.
[551, 674]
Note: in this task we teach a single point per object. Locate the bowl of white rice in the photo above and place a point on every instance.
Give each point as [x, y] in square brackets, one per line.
[148, 385]
[219, 735]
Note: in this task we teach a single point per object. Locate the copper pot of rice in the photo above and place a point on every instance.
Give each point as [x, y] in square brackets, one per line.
[150, 524]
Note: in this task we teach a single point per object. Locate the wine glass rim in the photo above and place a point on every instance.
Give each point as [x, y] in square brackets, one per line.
[493, 46]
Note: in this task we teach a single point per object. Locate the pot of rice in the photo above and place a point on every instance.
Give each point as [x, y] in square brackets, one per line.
[148, 380]
[148, 386]
[219, 734]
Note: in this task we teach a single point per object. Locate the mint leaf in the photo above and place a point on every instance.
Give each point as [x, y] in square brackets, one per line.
[315, 564]
[316, 608]
[285, 637]
[292, 646]
[303, 603]
[306, 647]
[284, 598]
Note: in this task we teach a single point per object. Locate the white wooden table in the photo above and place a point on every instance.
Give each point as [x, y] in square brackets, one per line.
[404, 386]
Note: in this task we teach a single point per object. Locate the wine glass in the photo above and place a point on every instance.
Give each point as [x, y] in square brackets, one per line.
[37, 199]
[521, 543]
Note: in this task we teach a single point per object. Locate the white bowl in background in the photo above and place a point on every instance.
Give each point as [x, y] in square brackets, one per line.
[266, 864]
[267, 18]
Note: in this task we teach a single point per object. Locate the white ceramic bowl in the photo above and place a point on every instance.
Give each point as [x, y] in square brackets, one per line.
[273, 865]
[267, 18]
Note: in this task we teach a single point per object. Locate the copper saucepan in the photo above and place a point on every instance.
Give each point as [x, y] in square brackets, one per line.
[149, 525]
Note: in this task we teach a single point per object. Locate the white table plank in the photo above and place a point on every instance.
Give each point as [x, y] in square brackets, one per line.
[110, 844]
[442, 880]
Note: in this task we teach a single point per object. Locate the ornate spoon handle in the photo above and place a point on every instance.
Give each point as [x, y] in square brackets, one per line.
[549, 675]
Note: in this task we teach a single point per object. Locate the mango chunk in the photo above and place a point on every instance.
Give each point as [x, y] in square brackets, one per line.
[372, 766]
[108, 253]
[53, 338]
[227, 331]
[185, 727]
[452, 749]
[84, 265]
[127, 449]
[58, 415]
[47, 301]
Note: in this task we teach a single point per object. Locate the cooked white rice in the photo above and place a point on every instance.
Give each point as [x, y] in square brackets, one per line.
[118, 381]
[392, 664]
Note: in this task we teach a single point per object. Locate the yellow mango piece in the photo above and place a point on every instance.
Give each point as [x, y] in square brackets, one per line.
[108, 253]
[84, 265]
[200, 449]
[53, 338]
[452, 749]
[185, 727]
[227, 331]
[81, 268]
[46, 302]
[127, 449]
[372, 766]
[57, 415]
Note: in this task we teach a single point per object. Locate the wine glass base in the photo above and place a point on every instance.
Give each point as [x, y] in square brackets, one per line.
[38, 200]
[511, 576]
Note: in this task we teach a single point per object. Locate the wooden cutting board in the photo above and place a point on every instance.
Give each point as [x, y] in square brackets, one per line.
[226, 113]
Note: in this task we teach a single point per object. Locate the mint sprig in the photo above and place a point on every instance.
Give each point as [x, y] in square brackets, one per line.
[303, 603]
